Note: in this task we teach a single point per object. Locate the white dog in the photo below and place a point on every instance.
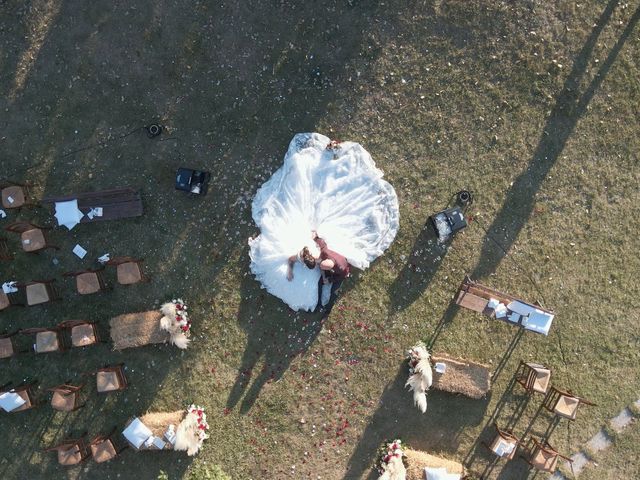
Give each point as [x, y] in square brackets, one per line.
[420, 375]
[169, 323]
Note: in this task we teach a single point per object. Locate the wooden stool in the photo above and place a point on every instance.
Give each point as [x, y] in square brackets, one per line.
[66, 398]
[111, 379]
[88, 281]
[128, 270]
[40, 291]
[563, 404]
[534, 378]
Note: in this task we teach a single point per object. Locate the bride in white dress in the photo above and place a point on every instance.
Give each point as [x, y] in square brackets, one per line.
[335, 190]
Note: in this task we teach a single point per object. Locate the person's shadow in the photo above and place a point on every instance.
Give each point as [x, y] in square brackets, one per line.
[275, 334]
[422, 265]
[570, 106]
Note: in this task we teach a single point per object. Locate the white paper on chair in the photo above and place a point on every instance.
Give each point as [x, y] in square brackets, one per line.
[9, 401]
[504, 449]
[10, 199]
[79, 251]
[137, 433]
[9, 287]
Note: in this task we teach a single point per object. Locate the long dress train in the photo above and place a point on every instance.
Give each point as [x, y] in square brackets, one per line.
[337, 192]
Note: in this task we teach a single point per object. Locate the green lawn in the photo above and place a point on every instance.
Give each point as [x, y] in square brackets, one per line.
[533, 106]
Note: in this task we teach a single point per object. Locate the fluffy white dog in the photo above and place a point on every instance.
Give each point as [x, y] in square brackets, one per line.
[171, 325]
[420, 375]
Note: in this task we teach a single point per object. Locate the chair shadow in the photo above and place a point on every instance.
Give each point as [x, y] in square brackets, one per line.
[569, 107]
[396, 417]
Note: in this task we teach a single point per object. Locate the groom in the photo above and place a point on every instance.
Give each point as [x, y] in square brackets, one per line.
[334, 268]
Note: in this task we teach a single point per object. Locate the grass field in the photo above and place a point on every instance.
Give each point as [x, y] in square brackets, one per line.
[532, 105]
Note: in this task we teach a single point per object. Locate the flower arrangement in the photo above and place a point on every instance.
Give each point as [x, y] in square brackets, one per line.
[182, 316]
[192, 430]
[201, 421]
[392, 461]
[176, 321]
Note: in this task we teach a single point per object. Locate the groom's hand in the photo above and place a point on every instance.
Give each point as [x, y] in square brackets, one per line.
[290, 274]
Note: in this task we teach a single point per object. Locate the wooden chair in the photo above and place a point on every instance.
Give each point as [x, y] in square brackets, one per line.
[5, 253]
[71, 452]
[11, 299]
[88, 281]
[8, 347]
[39, 291]
[16, 195]
[47, 339]
[128, 270]
[81, 333]
[504, 444]
[66, 397]
[33, 237]
[533, 377]
[542, 456]
[110, 378]
[563, 404]
[25, 391]
[105, 448]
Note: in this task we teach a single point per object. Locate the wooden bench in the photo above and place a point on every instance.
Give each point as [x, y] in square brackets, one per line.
[476, 297]
[116, 203]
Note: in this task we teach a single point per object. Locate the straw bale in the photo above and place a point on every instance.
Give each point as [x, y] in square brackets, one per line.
[462, 376]
[158, 422]
[137, 329]
[418, 460]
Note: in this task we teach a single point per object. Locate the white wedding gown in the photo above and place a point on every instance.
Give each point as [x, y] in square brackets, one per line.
[338, 193]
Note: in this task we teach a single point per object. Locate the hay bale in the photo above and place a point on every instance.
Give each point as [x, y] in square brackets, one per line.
[462, 376]
[158, 422]
[137, 329]
[417, 461]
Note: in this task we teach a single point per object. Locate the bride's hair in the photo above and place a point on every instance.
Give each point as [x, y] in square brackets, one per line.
[308, 259]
